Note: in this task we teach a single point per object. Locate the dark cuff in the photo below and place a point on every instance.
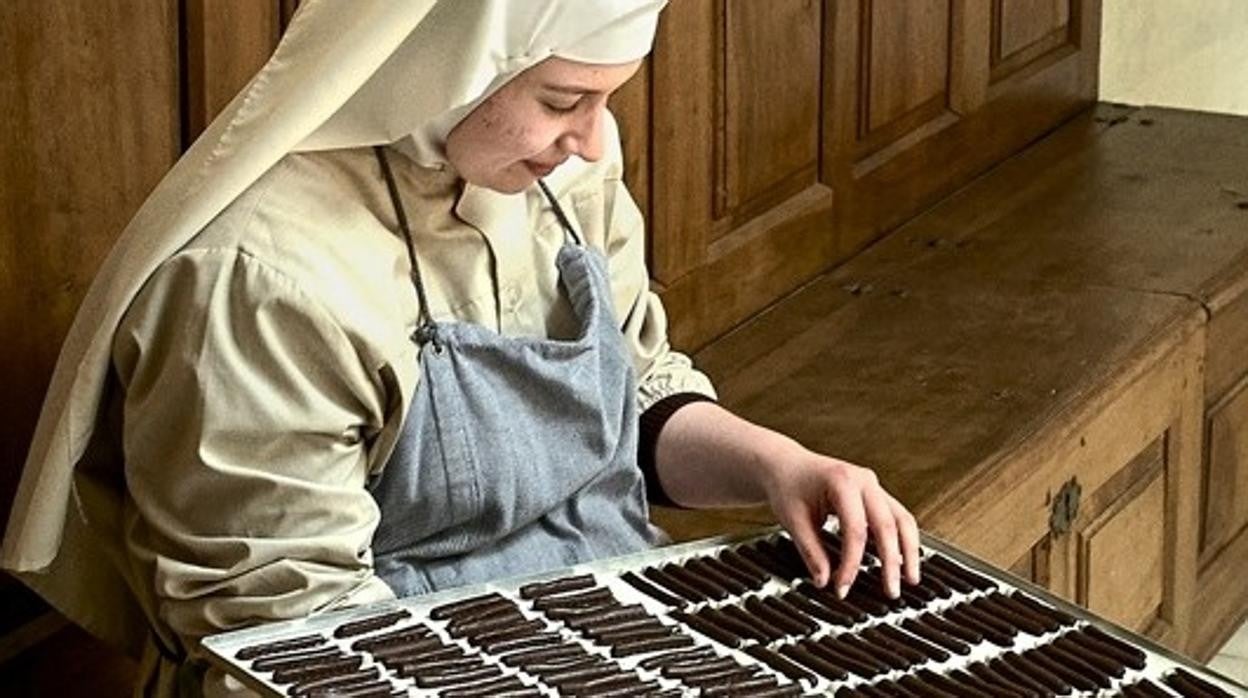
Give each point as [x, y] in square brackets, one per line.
[651, 425]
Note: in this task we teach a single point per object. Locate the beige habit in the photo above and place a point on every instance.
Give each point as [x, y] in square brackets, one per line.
[250, 328]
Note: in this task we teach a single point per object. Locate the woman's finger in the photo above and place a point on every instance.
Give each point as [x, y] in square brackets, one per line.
[803, 529]
[908, 533]
[853, 522]
[883, 525]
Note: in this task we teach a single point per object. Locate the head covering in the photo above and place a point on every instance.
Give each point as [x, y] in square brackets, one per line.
[347, 73]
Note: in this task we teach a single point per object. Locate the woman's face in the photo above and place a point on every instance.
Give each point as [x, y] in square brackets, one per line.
[533, 123]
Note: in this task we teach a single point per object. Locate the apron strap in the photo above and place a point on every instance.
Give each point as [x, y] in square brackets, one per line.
[426, 331]
[563, 218]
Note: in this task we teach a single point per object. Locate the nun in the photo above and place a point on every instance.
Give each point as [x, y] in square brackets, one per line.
[386, 329]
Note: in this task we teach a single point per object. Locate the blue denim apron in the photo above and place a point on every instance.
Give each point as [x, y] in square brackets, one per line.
[518, 454]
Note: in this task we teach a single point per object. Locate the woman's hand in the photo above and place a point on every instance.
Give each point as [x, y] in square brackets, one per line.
[708, 457]
[804, 488]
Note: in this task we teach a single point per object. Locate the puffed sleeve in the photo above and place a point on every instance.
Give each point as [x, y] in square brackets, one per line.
[247, 423]
[661, 371]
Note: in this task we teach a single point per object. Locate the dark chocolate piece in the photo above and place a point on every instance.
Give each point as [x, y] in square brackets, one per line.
[927, 649]
[294, 643]
[527, 658]
[504, 686]
[702, 568]
[473, 627]
[785, 550]
[1104, 663]
[643, 646]
[735, 560]
[780, 663]
[1028, 672]
[706, 586]
[787, 623]
[765, 559]
[1064, 672]
[652, 591]
[877, 637]
[444, 680]
[375, 689]
[752, 580]
[520, 628]
[750, 620]
[848, 642]
[537, 590]
[603, 617]
[284, 663]
[817, 610]
[595, 597]
[963, 633]
[1127, 654]
[1010, 601]
[667, 581]
[499, 646]
[959, 616]
[1025, 622]
[944, 577]
[1062, 617]
[470, 606]
[709, 629]
[692, 670]
[833, 650]
[327, 667]
[921, 628]
[1075, 663]
[739, 685]
[362, 676]
[1143, 688]
[696, 655]
[802, 654]
[1190, 685]
[645, 632]
[975, 579]
[273, 662]
[368, 625]
[829, 599]
[915, 686]
[394, 637]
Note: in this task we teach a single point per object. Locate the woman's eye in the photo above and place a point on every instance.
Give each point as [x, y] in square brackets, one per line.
[562, 108]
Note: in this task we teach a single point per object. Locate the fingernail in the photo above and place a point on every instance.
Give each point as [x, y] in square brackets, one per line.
[894, 590]
[842, 591]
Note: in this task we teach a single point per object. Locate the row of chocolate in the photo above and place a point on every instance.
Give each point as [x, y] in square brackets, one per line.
[740, 620]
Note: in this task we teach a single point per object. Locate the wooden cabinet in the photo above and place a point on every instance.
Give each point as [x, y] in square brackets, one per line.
[779, 138]
[1117, 491]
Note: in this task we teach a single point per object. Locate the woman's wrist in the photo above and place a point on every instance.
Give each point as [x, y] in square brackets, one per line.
[773, 456]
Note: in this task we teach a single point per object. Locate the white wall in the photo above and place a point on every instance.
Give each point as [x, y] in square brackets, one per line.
[1177, 53]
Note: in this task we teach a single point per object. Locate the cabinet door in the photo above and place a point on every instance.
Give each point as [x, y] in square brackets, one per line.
[926, 94]
[739, 206]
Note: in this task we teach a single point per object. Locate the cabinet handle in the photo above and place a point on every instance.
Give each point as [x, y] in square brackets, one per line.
[1065, 507]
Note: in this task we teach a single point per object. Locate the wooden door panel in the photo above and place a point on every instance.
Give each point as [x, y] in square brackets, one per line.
[905, 60]
[1024, 30]
[1121, 557]
[770, 105]
[739, 214]
[1225, 511]
[966, 84]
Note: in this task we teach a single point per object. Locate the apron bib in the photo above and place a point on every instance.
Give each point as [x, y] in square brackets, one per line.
[518, 454]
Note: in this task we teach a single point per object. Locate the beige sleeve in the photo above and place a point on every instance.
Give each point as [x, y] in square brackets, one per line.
[661, 371]
[248, 419]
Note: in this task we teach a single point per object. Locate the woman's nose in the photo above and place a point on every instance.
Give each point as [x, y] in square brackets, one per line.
[585, 138]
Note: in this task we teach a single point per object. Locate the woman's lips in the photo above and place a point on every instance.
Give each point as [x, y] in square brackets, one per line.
[540, 169]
